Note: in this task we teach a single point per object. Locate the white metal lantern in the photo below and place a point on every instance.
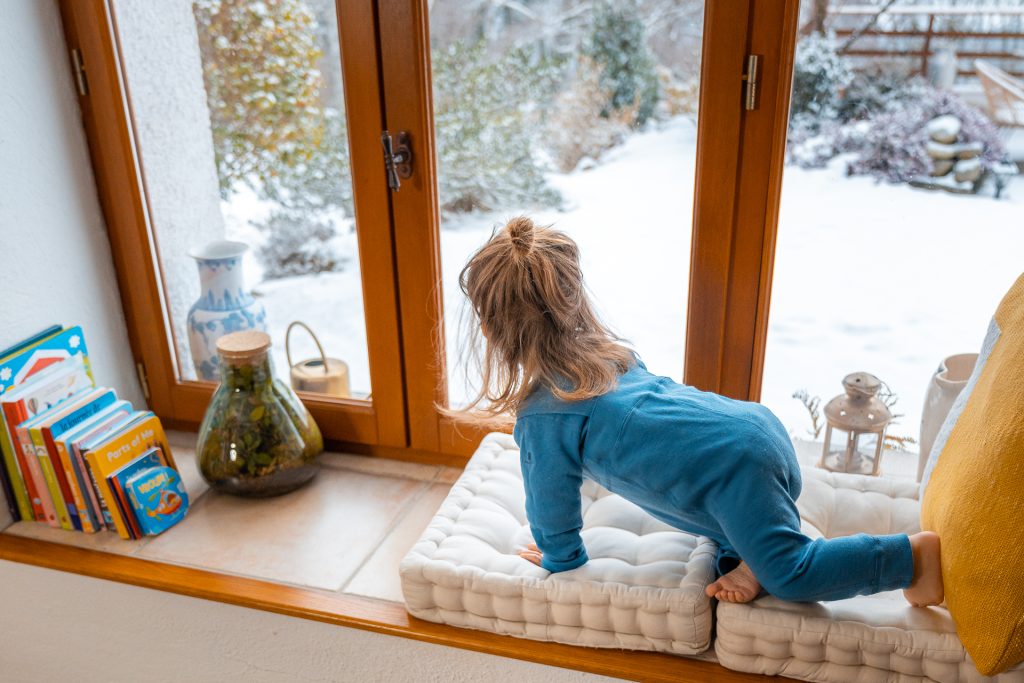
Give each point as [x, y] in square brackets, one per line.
[856, 423]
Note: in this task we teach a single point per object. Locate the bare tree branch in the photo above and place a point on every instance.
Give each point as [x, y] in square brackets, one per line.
[855, 36]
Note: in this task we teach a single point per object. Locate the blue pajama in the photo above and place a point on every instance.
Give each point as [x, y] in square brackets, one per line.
[701, 463]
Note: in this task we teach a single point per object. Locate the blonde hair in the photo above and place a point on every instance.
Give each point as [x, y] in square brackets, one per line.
[528, 299]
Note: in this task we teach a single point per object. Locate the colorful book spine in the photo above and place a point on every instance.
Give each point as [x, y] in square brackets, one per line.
[50, 477]
[19, 488]
[43, 498]
[105, 514]
[60, 421]
[12, 480]
[77, 487]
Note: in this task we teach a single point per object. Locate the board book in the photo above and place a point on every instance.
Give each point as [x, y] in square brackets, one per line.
[158, 498]
[45, 427]
[141, 433]
[118, 480]
[20, 364]
[69, 448]
[48, 388]
[14, 488]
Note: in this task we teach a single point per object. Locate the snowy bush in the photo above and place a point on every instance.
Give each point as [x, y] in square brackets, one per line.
[678, 98]
[894, 147]
[487, 113]
[628, 69]
[298, 242]
[873, 91]
[819, 76]
[576, 128]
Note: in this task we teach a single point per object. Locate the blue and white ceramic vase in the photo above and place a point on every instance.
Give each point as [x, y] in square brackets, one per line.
[224, 306]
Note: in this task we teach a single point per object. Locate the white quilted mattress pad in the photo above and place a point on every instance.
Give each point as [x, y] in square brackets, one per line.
[866, 638]
[642, 589]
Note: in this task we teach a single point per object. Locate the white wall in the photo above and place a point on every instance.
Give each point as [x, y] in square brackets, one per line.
[164, 72]
[55, 265]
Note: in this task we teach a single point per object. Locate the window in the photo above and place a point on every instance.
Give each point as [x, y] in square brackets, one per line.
[698, 305]
[893, 247]
[552, 113]
[240, 125]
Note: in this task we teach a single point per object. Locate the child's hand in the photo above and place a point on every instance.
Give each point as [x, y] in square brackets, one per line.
[532, 553]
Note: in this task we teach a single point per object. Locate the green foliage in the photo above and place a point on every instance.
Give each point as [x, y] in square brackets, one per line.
[485, 115]
[262, 87]
[628, 68]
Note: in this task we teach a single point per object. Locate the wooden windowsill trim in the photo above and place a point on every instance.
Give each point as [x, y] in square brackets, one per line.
[356, 612]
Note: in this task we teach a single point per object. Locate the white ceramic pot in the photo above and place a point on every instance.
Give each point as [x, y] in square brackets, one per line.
[946, 384]
[224, 305]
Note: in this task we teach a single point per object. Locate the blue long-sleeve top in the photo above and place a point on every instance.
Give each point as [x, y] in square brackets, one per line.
[671, 449]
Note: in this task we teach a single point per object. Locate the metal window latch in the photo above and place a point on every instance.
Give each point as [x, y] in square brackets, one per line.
[78, 64]
[750, 78]
[397, 158]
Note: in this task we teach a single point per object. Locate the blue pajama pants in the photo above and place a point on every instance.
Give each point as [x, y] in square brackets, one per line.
[761, 525]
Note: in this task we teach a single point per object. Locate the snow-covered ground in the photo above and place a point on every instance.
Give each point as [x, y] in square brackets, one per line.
[868, 276]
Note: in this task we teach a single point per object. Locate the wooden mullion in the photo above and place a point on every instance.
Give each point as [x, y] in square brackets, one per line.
[405, 55]
[719, 121]
[778, 33]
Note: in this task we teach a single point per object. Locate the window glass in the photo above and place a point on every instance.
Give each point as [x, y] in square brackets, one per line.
[901, 221]
[240, 119]
[582, 116]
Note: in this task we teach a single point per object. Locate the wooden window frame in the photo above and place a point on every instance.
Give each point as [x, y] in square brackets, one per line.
[735, 216]
[735, 208]
[90, 28]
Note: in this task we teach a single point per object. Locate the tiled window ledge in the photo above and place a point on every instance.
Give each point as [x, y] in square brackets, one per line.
[328, 552]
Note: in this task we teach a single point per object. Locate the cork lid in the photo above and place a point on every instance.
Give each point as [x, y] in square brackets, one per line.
[239, 347]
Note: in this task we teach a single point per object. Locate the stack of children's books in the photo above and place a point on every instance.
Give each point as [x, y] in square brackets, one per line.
[74, 455]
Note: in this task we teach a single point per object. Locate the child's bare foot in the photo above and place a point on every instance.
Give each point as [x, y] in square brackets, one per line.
[926, 588]
[739, 585]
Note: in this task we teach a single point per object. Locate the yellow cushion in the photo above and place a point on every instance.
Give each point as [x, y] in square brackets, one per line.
[974, 499]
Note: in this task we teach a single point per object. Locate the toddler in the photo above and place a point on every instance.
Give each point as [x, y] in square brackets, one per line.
[586, 406]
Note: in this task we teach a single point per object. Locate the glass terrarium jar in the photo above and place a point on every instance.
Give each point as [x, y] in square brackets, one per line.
[257, 439]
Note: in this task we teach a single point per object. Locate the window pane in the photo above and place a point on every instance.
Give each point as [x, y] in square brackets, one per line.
[240, 120]
[893, 246]
[582, 117]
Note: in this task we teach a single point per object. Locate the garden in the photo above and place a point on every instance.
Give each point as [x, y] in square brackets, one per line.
[901, 220]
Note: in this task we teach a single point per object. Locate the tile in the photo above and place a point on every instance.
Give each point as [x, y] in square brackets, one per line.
[106, 541]
[183, 445]
[449, 475]
[378, 577]
[317, 536]
[388, 467]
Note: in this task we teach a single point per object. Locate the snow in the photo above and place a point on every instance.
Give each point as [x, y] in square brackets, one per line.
[884, 278]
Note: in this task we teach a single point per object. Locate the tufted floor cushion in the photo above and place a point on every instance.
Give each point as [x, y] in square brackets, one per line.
[867, 638]
[642, 589]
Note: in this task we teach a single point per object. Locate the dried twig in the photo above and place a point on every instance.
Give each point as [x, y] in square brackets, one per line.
[812, 404]
[856, 35]
[899, 443]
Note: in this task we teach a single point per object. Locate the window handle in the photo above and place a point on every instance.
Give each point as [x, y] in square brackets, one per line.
[397, 158]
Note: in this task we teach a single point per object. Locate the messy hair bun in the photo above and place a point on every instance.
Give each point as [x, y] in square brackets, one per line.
[527, 293]
[520, 232]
